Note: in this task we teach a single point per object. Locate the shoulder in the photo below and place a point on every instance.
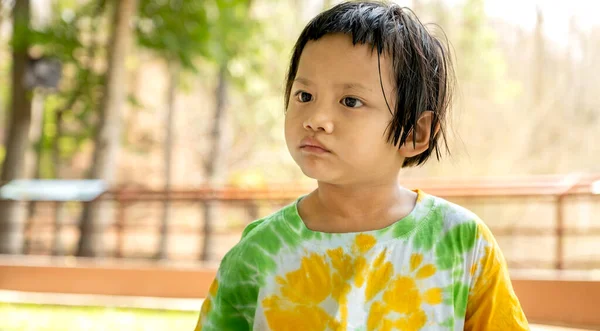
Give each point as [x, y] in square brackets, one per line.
[453, 229]
[463, 232]
[454, 216]
[260, 240]
[244, 268]
[269, 228]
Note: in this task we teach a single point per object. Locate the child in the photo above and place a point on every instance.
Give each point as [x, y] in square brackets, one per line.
[367, 93]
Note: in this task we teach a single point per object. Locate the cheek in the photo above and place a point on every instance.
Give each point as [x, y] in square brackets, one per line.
[293, 118]
[290, 126]
[288, 120]
[370, 140]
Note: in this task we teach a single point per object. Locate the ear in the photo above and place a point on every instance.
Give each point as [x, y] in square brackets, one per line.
[422, 133]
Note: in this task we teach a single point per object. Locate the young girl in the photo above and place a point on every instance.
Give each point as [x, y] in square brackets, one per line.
[367, 93]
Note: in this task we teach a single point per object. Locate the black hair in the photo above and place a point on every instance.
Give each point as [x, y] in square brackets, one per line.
[422, 67]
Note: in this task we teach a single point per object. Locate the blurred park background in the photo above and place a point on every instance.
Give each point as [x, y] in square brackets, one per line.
[139, 137]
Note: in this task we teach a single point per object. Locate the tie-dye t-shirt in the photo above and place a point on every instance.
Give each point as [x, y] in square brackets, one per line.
[439, 268]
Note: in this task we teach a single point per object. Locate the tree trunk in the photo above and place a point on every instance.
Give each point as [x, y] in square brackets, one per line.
[168, 153]
[215, 161]
[59, 211]
[34, 159]
[95, 215]
[36, 133]
[17, 140]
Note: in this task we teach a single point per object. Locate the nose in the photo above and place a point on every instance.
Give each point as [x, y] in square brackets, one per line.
[319, 121]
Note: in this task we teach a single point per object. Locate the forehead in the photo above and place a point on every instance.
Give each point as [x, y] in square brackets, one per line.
[335, 58]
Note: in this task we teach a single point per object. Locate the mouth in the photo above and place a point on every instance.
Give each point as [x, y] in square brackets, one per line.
[311, 145]
[313, 149]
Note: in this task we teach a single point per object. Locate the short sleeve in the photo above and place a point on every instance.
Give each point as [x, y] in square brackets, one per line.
[492, 303]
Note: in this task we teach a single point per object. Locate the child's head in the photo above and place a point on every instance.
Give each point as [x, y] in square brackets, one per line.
[371, 84]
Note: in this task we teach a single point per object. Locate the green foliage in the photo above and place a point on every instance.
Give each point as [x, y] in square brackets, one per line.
[59, 40]
[182, 31]
[230, 29]
[73, 37]
[219, 33]
[175, 29]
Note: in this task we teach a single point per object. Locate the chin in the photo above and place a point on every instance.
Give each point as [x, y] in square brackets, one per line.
[312, 173]
[315, 173]
[320, 175]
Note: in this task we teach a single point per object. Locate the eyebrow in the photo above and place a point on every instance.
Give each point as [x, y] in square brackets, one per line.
[345, 86]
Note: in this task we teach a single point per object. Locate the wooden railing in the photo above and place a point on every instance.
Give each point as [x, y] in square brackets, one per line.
[552, 189]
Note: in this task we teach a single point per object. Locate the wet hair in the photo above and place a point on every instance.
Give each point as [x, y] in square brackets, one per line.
[422, 67]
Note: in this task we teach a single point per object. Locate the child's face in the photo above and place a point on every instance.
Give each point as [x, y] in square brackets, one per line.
[337, 101]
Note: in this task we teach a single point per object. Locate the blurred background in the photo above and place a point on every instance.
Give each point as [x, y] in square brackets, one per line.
[139, 137]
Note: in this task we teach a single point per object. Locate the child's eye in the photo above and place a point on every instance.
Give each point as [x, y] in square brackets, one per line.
[351, 102]
[304, 96]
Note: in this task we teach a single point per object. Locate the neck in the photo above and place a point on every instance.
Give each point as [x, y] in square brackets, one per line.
[350, 208]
